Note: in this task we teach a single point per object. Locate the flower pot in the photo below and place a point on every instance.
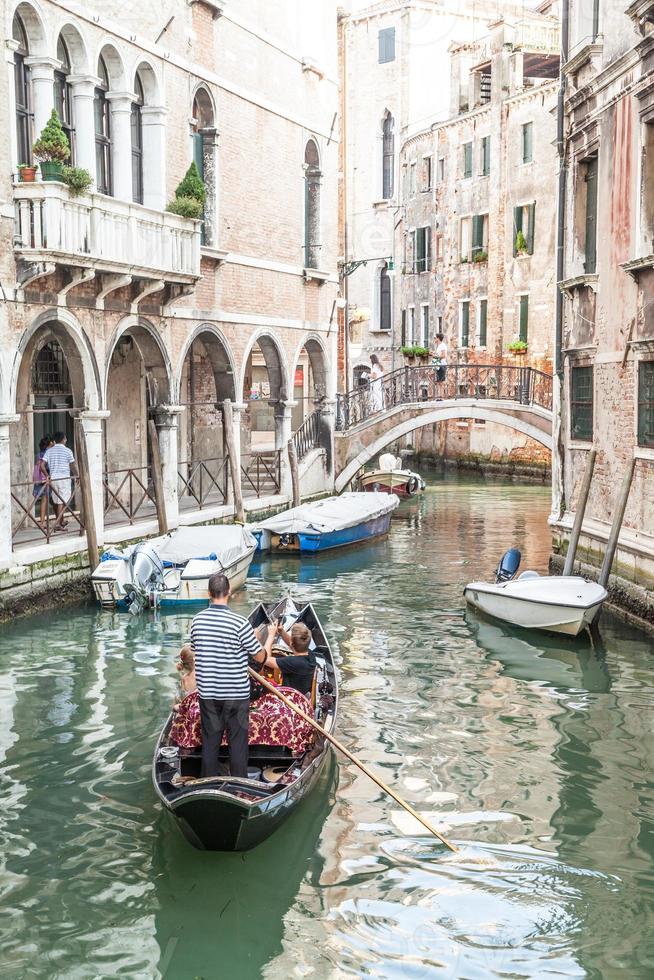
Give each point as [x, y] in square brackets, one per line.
[27, 175]
[51, 170]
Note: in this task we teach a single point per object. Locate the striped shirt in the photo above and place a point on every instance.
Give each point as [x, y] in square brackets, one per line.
[221, 641]
[59, 458]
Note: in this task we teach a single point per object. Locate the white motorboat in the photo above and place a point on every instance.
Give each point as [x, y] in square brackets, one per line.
[175, 568]
[389, 477]
[556, 603]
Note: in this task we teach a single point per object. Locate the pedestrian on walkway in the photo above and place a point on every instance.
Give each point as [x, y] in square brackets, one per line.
[62, 467]
[222, 641]
[441, 357]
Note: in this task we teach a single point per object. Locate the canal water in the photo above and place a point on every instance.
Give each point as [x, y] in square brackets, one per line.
[534, 754]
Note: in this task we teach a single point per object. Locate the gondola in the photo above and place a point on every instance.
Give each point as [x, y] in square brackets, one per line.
[233, 814]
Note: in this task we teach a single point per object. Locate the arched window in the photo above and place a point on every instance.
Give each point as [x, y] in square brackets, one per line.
[137, 142]
[52, 393]
[103, 178]
[63, 96]
[311, 206]
[384, 299]
[388, 153]
[23, 95]
[204, 154]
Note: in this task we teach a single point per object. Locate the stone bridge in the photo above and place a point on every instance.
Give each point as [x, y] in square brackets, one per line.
[375, 416]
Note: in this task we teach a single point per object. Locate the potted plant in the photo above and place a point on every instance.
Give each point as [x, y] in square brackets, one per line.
[518, 347]
[78, 180]
[52, 148]
[521, 244]
[409, 353]
[190, 195]
[27, 173]
[480, 256]
[422, 353]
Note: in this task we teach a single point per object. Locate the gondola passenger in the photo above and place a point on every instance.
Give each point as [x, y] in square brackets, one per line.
[186, 729]
[298, 668]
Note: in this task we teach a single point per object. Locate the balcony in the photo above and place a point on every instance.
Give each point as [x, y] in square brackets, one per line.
[100, 234]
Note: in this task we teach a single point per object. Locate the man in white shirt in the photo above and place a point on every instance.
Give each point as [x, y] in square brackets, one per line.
[441, 357]
[61, 465]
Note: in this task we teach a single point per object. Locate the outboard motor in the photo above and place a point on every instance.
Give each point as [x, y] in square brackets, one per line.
[508, 566]
[147, 575]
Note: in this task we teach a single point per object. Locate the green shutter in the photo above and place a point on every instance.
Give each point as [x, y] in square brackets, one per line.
[465, 323]
[483, 322]
[198, 153]
[590, 263]
[485, 156]
[467, 160]
[403, 329]
[527, 142]
[524, 318]
[581, 403]
[531, 218]
[646, 404]
[477, 233]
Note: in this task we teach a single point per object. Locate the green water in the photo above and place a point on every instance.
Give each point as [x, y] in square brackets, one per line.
[536, 755]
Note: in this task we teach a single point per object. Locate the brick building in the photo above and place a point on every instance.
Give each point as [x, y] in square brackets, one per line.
[475, 234]
[607, 285]
[116, 311]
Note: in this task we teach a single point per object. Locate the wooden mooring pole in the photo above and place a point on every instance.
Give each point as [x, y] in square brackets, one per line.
[580, 512]
[618, 518]
[295, 473]
[234, 460]
[82, 457]
[157, 478]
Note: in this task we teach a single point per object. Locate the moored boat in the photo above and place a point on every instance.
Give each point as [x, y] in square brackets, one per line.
[174, 569]
[389, 477]
[328, 523]
[223, 813]
[563, 604]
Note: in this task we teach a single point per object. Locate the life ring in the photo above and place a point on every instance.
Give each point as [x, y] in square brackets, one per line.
[412, 485]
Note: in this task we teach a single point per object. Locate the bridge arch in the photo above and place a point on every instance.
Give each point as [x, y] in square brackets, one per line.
[444, 413]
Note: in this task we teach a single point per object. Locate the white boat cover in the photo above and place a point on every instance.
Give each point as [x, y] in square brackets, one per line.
[226, 542]
[387, 461]
[331, 513]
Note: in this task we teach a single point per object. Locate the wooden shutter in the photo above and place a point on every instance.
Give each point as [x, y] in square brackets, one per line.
[527, 142]
[531, 218]
[477, 233]
[646, 404]
[427, 249]
[581, 403]
[483, 322]
[467, 160]
[590, 263]
[403, 329]
[465, 323]
[524, 318]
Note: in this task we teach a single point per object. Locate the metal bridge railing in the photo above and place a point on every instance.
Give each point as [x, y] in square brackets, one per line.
[411, 384]
[307, 436]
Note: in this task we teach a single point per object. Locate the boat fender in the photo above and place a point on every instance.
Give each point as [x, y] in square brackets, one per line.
[413, 485]
[284, 540]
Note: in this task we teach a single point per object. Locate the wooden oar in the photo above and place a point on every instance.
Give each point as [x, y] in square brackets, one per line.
[352, 758]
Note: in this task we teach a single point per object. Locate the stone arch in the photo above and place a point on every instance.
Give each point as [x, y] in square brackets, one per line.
[220, 358]
[158, 371]
[33, 24]
[115, 66]
[203, 107]
[82, 365]
[149, 78]
[433, 416]
[76, 46]
[273, 356]
[319, 363]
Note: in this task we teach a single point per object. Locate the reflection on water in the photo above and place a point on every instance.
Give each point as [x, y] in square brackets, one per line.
[533, 753]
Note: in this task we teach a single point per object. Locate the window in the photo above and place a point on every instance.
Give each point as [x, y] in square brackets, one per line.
[388, 152]
[426, 173]
[485, 88]
[440, 170]
[524, 217]
[485, 156]
[423, 249]
[596, 19]
[524, 317]
[384, 299]
[439, 321]
[412, 326]
[63, 96]
[646, 404]
[482, 331]
[581, 403]
[103, 179]
[528, 142]
[405, 181]
[425, 325]
[412, 179]
[386, 45]
[137, 143]
[204, 155]
[479, 237]
[465, 231]
[438, 248]
[590, 242]
[403, 342]
[312, 233]
[465, 323]
[467, 159]
[23, 93]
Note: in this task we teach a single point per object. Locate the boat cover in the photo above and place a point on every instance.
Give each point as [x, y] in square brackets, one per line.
[387, 461]
[331, 513]
[225, 542]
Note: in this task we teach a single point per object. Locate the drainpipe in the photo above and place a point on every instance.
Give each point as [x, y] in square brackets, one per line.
[558, 489]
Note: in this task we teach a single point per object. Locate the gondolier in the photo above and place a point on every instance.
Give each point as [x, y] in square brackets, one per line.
[222, 641]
